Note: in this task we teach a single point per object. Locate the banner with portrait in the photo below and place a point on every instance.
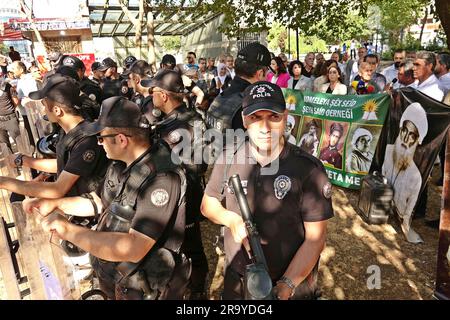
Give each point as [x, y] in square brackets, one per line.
[409, 145]
[342, 131]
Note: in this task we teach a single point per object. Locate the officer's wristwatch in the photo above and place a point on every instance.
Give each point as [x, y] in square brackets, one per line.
[18, 161]
[289, 283]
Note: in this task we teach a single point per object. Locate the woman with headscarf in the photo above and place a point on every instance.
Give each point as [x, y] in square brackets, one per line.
[220, 82]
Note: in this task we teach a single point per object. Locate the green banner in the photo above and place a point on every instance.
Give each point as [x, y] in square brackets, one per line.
[342, 131]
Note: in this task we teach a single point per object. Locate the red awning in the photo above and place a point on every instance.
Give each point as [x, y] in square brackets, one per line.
[6, 33]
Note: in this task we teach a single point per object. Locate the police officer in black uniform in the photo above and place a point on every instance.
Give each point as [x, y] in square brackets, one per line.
[113, 85]
[135, 250]
[80, 163]
[289, 196]
[183, 127]
[90, 88]
[9, 124]
[97, 75]
[138, 71]
[251, 65]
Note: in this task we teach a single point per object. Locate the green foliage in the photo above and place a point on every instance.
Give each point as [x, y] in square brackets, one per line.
[278, 41]
[3, 48]
[171, 43]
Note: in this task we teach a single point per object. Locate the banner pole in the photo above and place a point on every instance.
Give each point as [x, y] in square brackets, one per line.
[442, 290]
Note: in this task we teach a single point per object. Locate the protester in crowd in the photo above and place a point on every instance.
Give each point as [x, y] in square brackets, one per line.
[353, 49]
[279, 75]
[334, 83]
[377, 78]
[308, 65]
[285, 60]
[221, 82]
[426, 82]
[362, 84]
[191, 63]
[442, 71]
[352, 68]
[230, 66]
[4, 65]
[13, 54]
[322, 75]
[297, 80]
[405, 73]
[211, 67]
[320, 58]
[391, 72]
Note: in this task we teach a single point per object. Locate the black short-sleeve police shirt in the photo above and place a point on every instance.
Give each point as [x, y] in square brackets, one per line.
[281, 196]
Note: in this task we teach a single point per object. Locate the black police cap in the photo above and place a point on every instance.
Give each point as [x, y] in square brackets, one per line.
[263, 95]
[166, 79]
[118, 112]
[61, 89]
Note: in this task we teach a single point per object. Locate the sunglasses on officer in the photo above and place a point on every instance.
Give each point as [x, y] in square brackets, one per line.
[101, 138]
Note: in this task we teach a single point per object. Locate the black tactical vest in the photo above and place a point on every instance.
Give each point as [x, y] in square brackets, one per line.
[222, 111]
[169, 130]
[121, 208]
[64, 147]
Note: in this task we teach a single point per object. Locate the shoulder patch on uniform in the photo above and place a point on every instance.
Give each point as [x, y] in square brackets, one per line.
[326, 190]
[89, 155]
[124, 90]
[92, 97]
[159, 197]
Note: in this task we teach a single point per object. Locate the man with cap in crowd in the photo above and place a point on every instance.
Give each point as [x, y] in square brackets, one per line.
[138, 71]
[112, 85]
[360, 157]
[80, 163]
[183, 128]
[135, 249]
[400, 169]
[250, 66]
[168, 62]
[288, 193]
[97, 75]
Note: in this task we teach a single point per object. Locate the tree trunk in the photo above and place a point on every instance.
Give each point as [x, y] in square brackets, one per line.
[138, 37]
[424, 21]
[443, 12]
[151, 40]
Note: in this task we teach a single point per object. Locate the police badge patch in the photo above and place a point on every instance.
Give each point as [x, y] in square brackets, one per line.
[89, 156]
[159, 197]
[326, 190]
[281, 186]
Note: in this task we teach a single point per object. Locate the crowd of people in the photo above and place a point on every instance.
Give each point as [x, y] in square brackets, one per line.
[120, 160]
